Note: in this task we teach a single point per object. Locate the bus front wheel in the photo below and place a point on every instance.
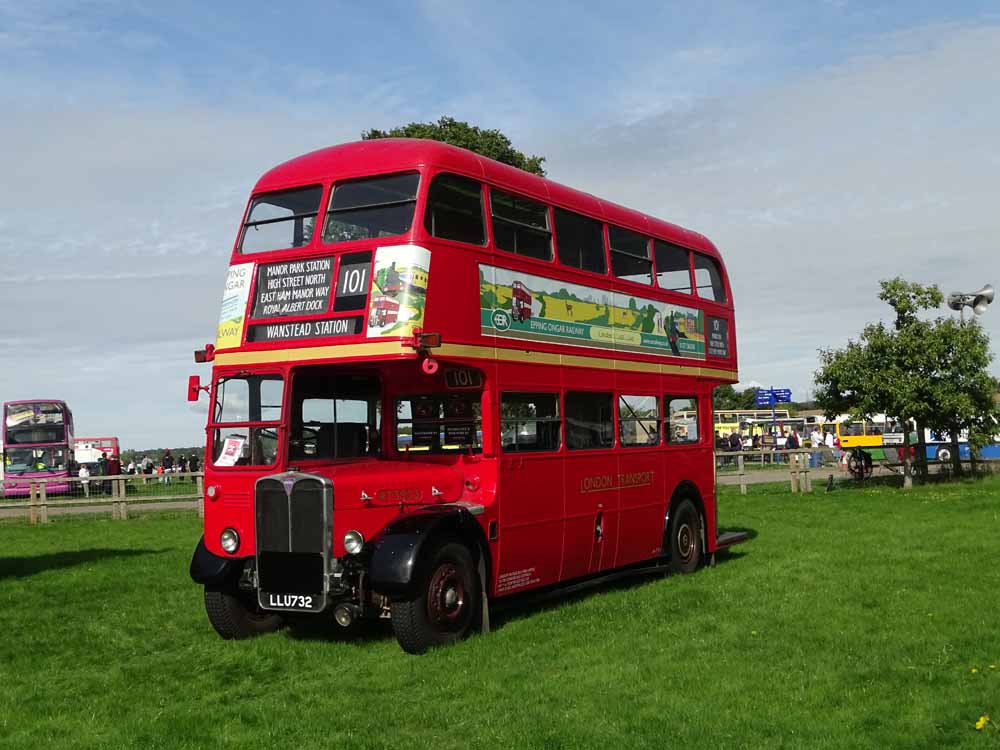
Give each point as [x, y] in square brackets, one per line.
[235, 617]
[446, 604]
[685, 541]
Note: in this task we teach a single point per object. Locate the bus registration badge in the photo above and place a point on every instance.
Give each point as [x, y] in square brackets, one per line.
[291, 602]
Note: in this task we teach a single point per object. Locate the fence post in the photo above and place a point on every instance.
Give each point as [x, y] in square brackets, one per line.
[793, 462]
[32, 503]
[743, 476]
[807, 477]
[43, 500]
[201, 495]
[122, 505]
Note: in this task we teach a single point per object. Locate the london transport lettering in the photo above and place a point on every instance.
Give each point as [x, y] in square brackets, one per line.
[604, 482]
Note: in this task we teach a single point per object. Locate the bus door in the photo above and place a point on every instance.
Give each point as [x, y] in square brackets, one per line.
[591, 484]
[531, 490]
[640, 479]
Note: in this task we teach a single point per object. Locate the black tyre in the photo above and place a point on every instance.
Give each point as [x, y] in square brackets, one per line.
[944, 455]
[235, 615]
[684, 540]
[447, 602]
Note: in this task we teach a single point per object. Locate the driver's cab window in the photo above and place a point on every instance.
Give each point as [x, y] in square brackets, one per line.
[335, 417]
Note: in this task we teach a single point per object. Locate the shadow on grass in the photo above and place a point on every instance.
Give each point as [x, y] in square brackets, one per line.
[515, 607]
[22, 567]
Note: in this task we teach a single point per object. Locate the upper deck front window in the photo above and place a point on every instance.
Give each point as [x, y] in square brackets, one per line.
[281, 220]
[371, 207]
[35, 423]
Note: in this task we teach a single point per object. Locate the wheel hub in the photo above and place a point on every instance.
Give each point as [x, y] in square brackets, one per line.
[446, 596]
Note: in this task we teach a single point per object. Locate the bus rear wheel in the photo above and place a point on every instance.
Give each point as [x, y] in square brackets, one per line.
[684, 542]
[235, 616]
[444, 610]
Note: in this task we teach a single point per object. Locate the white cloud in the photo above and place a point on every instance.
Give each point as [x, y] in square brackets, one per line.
[817, 188]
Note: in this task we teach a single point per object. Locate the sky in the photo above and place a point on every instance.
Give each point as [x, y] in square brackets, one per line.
[822, 146]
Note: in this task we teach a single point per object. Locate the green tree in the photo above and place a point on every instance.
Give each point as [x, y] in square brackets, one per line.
[489, 143]
[932, 372]
[725, 397]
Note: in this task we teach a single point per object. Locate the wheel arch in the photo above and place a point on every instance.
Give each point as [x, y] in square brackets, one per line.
[402, 548]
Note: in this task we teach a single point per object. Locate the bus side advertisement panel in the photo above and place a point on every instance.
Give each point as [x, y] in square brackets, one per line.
[232, 316]
[523, 306]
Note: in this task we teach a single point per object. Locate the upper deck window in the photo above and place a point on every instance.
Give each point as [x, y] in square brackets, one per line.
[35, 423]
[281, 220]
[580, 241]
[371, 207]
[708, 278]
[455, 209]
[630, 256]
[673, 267]
[520, 225]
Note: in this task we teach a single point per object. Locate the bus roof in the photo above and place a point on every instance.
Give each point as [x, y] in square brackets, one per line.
[35, 401]
[385, 155]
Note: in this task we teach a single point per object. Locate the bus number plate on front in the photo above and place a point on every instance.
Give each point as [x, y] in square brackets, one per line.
[465, 378]
[293, 602]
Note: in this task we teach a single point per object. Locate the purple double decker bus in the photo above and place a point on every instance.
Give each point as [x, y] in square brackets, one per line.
[37, 444]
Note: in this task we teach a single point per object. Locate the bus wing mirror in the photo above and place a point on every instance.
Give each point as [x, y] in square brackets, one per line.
[194, 388]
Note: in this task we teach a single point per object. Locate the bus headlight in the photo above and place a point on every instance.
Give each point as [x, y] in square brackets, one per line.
[353, 542]
[229, 540]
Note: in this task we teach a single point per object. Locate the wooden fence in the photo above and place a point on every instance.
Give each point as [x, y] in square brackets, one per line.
[796, 462]
[115, 492]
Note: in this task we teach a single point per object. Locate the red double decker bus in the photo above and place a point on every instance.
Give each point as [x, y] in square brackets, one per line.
[535, 410]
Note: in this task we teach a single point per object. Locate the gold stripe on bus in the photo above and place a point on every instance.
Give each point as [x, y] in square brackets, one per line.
[312, 353]
[574, 360]
[345, 351]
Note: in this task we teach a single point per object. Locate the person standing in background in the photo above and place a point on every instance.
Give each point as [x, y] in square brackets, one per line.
[168, 465]
[85, 476]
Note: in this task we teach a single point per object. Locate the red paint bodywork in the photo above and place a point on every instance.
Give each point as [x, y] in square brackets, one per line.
[544, 521]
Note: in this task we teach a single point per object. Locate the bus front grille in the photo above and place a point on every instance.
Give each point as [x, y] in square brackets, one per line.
[292, 515]
[293, 519]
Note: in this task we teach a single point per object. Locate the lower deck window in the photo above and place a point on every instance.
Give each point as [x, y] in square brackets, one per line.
[439, 423]
[682, 419]
[245, 446]
[639, 420]
[530, 422]
[589, 420]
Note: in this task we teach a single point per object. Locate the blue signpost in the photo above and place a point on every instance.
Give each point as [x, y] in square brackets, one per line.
[770, 397]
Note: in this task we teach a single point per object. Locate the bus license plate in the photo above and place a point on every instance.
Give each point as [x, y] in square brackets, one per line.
[293, 602]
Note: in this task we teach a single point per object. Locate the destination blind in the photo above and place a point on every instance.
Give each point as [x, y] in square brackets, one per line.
[293, 288]
[305, 329]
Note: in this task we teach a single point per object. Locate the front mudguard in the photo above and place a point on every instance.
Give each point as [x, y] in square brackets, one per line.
[209, 569]
[394, 569]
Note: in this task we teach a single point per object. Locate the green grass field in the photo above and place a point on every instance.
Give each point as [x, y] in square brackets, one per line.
[858, 618]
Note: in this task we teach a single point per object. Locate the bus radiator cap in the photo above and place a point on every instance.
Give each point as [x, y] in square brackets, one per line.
[429, 366]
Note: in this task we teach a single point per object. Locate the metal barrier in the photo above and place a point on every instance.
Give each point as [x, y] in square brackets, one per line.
[114, 493]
